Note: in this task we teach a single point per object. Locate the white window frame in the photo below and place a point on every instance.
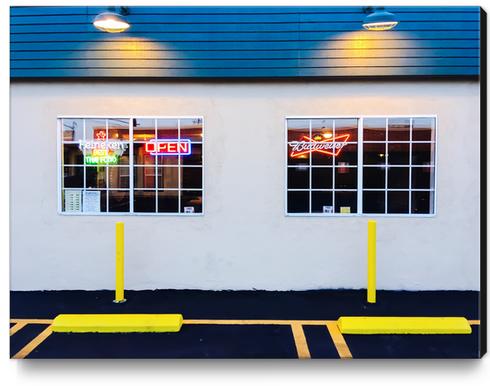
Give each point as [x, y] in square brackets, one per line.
[131, 165]
[360, 166]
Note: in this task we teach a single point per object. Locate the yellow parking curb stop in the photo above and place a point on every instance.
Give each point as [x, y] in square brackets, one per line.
[107, 323]
[403, 325]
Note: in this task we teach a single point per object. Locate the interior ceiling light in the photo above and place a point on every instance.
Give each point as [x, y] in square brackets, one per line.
[379, 19]
[112, 21]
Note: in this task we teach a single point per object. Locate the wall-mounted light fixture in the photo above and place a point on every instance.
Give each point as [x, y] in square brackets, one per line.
[378, 19]
[112, 21]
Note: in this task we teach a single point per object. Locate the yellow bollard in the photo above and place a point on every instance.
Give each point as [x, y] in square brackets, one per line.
[119, 263]
[371, 286]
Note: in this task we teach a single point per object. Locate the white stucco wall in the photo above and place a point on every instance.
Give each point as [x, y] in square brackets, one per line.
[244, 240]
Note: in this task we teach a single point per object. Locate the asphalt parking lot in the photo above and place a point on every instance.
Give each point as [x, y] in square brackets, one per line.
[242, 324]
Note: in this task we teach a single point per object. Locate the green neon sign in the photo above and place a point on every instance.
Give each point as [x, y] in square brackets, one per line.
[99, 160]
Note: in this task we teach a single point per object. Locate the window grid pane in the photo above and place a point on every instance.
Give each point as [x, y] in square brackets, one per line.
[113, 184]
[179, 177]
[322, 178]
[400, 168]
[391, 171]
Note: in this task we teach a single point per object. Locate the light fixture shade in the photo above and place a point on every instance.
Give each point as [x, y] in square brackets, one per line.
[110, 22]
[380, 20]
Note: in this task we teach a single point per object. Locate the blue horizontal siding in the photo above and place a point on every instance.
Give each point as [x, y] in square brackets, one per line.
[439, 53]
[244, 42]
[249, 63]
[223, 22]
[197, 31]
[247, 73]
[141, 48]
[232, 23]
[213, 10]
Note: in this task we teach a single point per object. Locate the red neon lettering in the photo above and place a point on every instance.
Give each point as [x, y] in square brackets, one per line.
[184, 147]
[331, 146]
[150, 147]
[172, 147]
[168, 147]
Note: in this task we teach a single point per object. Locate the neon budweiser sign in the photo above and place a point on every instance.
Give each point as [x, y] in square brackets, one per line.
[330, 146]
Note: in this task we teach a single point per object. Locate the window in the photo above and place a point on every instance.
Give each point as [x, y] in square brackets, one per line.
[131, 165]
[362, 165]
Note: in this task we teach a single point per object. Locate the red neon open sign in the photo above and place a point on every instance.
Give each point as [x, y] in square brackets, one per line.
[168, 147]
